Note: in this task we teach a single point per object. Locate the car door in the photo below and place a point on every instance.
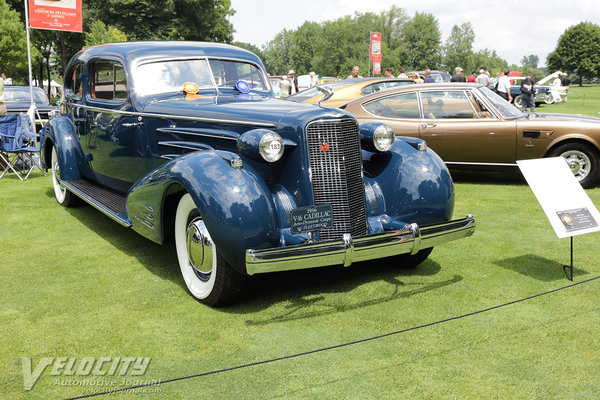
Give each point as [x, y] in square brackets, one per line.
[113, 139]
[399, 110]
[462, 129]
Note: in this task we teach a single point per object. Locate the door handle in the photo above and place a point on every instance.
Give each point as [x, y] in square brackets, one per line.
[425, 126]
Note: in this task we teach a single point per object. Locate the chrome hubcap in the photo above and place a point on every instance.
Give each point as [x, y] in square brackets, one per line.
[200, 249]
[578, 162]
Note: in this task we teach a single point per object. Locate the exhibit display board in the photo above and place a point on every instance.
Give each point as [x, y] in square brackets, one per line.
[566, 204]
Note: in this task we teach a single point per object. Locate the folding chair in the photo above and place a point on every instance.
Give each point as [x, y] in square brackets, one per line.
[17, 147]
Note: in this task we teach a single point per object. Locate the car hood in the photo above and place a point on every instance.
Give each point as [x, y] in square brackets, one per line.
[567, 117]
[24, 106]
[241, 108]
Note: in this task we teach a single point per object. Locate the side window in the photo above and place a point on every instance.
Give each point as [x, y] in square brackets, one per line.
[449, 104]
[73, 81]
[396, 106]
[107, 81]
[480, 107]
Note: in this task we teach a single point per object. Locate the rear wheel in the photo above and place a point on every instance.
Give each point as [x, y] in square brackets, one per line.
[208, 277]
[62, 194]
[582, 159]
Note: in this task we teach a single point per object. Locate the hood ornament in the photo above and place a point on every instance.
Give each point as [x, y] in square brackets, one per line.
[327, 91]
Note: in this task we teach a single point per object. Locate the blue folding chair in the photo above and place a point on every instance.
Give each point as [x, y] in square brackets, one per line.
[19, 145]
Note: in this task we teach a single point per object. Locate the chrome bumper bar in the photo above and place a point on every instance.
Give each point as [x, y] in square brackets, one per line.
[409, 240]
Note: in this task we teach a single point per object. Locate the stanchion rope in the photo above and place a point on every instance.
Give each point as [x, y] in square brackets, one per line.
[337, 346]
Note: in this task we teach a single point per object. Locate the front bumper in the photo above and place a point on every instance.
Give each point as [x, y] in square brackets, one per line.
[409, 240]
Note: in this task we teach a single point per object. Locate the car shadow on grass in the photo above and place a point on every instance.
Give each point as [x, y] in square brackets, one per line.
[508, 176]
[538, 267]
[161, 260]
[309, 292]
[314, 292]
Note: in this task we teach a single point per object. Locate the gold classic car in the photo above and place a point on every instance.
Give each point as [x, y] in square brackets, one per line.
[347, 90]
[468, 125]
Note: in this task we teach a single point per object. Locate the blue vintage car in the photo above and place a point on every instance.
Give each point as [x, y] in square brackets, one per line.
[185, 140]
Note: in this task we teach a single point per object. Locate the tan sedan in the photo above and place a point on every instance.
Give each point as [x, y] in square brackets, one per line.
[469, 125]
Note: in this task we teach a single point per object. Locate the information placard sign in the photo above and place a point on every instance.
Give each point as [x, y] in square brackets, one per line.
[58, 15]
[567, 206]
[311, 219]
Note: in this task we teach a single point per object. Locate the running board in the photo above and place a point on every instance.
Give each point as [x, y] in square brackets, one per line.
[109, 202]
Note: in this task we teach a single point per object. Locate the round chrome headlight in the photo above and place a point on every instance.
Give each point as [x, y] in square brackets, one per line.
[271, 147]
[383, 138]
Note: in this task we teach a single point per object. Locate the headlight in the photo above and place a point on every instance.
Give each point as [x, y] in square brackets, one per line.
[271, 147]
[261, 144]
[383, 138]
[376, 136]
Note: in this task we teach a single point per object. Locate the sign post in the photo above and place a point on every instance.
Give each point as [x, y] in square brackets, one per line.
[61, 15]
[567, 206]
[375, 52]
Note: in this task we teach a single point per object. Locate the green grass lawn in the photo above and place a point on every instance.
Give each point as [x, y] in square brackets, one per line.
[581, 100]
[75, 284]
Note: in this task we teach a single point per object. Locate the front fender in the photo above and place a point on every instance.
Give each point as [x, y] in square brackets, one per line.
[61, 133]
[235, 204]
[411, 185]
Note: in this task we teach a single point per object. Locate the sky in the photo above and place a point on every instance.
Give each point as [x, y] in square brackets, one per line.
[514, 28]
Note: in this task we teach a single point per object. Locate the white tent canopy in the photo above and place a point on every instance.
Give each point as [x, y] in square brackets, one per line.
[54, 86]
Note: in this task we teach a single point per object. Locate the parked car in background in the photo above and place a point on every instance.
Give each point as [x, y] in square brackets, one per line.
[438, 76]
[185, 140]
[275, 80]
[542, 93]
[347, 90]
[470, 126]
[18, 100]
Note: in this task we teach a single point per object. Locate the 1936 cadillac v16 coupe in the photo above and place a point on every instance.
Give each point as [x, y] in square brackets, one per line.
[185, 139]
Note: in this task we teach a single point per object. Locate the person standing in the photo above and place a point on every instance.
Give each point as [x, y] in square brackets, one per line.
[355, 74]
[565, 82]
[472, 77]
[528, 93]
[389, 72]
[2, 103]
[428, 77]
[503, 86]
[483, 78]
[402, 74]
[458, 76]
[314, 79]
[293, 82]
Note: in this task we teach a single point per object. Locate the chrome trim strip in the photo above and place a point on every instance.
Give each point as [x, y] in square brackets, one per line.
[115, 217]
[476, 163]
[349, 250]
[167, 116]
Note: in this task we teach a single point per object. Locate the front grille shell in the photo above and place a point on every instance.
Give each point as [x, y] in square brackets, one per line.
[336, 175]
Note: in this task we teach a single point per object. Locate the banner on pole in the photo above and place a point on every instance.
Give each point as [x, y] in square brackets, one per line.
[57, 15]
[375, 53]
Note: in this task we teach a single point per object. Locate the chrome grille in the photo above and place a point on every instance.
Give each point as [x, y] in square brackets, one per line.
[336, 175]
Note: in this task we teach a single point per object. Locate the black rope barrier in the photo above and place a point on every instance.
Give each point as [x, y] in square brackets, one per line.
[337, 346]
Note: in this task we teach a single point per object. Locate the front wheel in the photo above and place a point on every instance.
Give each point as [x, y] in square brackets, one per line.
[208, 277]
[518, 101]
[582, 160]
[548, 99]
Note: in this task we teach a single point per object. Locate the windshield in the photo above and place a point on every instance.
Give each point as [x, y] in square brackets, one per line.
[21, 95]
[506, 110]
[169, 76]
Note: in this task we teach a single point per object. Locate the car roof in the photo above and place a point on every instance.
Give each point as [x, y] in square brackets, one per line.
[305, 94]
[139, 52]
[419, 86]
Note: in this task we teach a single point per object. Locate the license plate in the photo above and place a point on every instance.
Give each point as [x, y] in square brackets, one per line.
[310, 219]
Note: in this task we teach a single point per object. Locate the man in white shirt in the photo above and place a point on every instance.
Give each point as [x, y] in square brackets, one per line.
[503, 87]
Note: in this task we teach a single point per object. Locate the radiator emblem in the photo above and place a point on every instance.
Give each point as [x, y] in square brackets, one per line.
[325, 147]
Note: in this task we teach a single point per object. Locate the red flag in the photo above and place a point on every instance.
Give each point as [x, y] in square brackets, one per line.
[58, 15]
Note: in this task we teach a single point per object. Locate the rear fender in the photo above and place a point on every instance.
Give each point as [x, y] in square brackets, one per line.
[235, 204]
[61, 133]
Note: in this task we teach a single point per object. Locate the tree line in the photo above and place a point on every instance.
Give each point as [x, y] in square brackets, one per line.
[330, 48]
